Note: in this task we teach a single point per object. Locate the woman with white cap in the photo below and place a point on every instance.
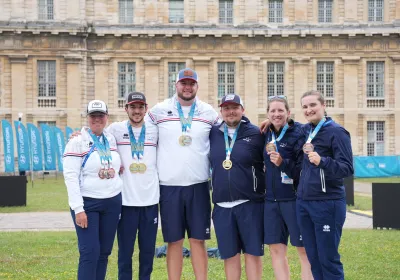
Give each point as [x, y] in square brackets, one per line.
[91, 164]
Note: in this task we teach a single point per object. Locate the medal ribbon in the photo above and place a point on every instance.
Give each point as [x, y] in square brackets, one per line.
[102, 148]
[186, 122]
[312, 133]
[137, 146]
[285, 128]
[228, 148]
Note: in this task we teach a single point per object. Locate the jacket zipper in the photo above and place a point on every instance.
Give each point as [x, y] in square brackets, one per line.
[322, 174]
[254, 178]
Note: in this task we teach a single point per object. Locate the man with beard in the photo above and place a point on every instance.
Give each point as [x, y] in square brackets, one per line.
[136, 143]
[184, 123]
[236, 156]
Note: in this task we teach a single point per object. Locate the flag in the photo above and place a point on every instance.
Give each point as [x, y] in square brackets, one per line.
[22, 147]
[60, 147]
[49, 155]
[36, 147]
[8, 141]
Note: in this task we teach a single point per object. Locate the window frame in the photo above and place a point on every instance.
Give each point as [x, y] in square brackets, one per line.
[226, 75]
[125, 6]
[275, 11]
[176, 14]
[376, 138]
[225, 12]
[45, 9]
[275, 76]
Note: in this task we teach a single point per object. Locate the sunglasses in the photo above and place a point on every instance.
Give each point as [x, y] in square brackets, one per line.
[277, 97]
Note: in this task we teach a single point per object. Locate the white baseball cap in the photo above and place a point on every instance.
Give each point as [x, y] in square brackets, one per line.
[97, 106]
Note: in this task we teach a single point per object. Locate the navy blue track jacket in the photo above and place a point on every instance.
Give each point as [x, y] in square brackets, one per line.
[289, 148]
[245, 180]
[325, 181]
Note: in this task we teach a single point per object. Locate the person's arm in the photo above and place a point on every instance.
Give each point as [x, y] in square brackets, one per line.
[341, 164]
[264, 125]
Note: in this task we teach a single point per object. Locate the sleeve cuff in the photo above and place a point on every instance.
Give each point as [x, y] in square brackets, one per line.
[323, 162]
[79, 210]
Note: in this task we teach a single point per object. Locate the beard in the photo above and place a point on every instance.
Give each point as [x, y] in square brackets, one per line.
[181, 96]
[135, 121]
[232, 123]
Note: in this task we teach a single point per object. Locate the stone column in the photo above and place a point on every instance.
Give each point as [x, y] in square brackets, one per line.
[300, 76]
[300, 11]
[101, 65]
[18, 84]
[250, 95]
[396, 65]
[350, 88]
[151, 79]
[201, 11]
[74, 90]
[350, 11]
[201, 65]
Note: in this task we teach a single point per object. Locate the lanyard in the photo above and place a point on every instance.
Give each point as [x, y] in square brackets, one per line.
[87, 156]
[285, 128]
[186, 122]
[137, 146]
[102, 149]
[228, 148]
[312, 133]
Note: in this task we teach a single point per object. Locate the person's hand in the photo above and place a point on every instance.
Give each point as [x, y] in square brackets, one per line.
[121, 170]
[264, 125]
[81, 220]
[314, 158]
[275, 158]
[74, 134]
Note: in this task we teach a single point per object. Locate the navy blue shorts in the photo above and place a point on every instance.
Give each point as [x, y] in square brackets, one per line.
[185, 208]
[280, 221]
[239, 229]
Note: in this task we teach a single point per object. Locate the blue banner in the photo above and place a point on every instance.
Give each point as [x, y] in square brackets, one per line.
[68, 132]
[380, 166]
[36, 147]
[22, 147]
[8, 141]
[49, 155]
[60, 147]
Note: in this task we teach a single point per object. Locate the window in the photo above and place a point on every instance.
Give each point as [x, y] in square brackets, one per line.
[49, 123]
[226, 11]
[226, 78]
[275, 78]
[325, 10]
[376, 138]
[375, 84]
[375, 10]
[46, 83]
[46, 9]
[125, 11]
[325, 75]
[176, 11]
[275, 11]
[173, 70]
[126, 81]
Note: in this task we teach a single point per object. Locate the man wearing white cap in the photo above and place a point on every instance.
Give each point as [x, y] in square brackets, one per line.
[184, 123]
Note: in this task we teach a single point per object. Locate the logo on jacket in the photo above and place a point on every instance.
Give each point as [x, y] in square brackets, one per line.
[89, 144]
[282, 145]
[125, 136]
[155, 220]
[207, 230]
[247, 139]
[326, 228]
[301, 238]
[169, 113]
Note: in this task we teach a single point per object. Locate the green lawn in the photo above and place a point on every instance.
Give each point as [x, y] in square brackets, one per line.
[366, 254]
[361, 202]
[378, 180]
[49, 194]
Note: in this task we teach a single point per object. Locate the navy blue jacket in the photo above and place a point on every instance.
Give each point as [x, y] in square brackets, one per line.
[325, 181]
[289, 148]
[245, 180]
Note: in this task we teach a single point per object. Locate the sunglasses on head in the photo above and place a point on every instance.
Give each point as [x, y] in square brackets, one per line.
[277, 97]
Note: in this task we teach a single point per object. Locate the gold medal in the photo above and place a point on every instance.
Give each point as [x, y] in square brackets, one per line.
[111, 172]
[270, 147]
[142, 168]
[227, 164]
[134, 168]
[308, 148]
[185, 140]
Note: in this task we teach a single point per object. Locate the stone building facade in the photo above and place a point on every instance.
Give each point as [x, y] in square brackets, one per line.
[56, 55]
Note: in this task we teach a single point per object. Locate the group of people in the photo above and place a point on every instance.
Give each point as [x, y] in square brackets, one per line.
[285, 180]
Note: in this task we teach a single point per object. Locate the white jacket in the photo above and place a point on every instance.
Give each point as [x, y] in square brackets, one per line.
[85, 182]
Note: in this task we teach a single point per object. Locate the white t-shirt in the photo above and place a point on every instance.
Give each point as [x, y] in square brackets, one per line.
[138, 189]
[182, 165]
[85, 182]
